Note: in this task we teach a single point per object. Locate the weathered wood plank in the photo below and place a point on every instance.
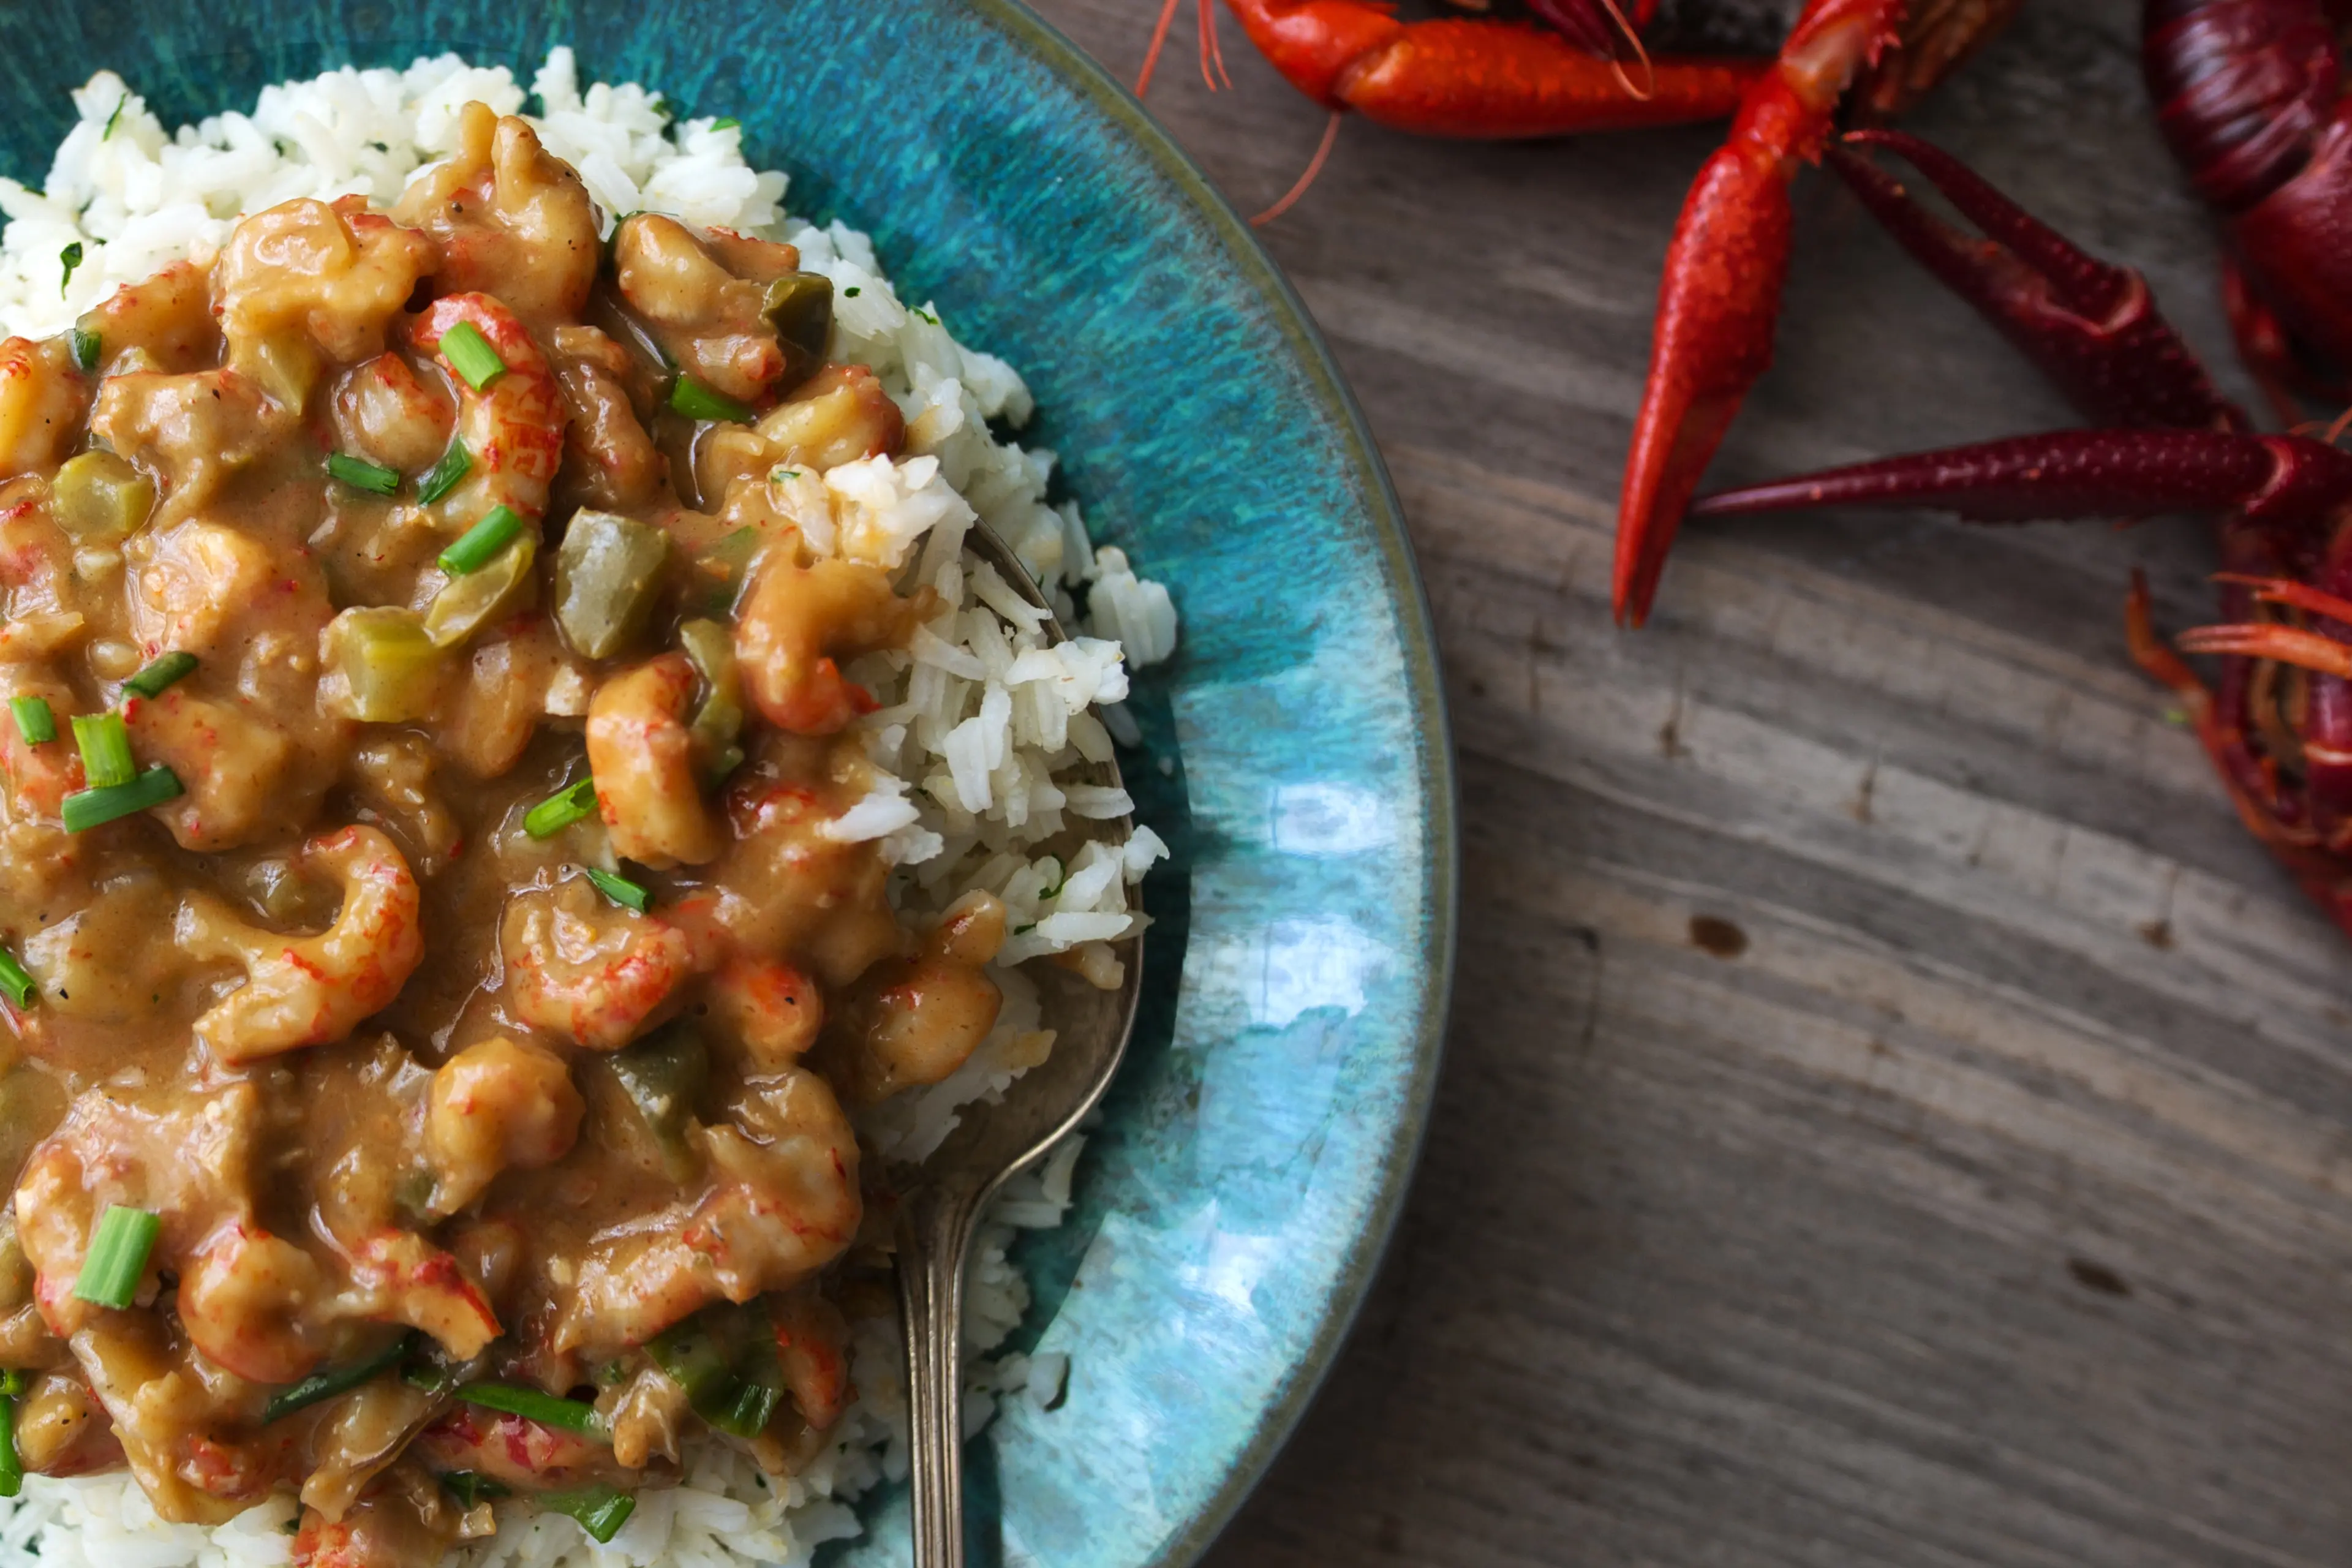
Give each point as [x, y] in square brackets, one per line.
[1895, 1114]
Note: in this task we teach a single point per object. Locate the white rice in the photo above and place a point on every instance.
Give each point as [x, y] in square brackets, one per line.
[982, 727]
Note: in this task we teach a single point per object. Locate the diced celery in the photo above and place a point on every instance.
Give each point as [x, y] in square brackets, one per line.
[380, 666]
[98, 497]
[608, 578]
[470, 603]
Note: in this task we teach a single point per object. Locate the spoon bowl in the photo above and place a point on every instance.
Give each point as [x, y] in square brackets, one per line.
[941, 1197]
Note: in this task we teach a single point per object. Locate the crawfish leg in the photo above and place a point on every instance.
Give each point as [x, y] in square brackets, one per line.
[1721, 292]
[2222, 726]
[2226, 723]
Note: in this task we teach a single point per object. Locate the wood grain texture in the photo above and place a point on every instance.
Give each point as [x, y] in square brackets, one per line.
[1893, 1113]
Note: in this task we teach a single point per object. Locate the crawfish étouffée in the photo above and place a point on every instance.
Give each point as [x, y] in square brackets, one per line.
[425, 720]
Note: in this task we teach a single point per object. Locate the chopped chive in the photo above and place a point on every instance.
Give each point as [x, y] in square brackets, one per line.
[444, 474]
[570, 1415]
[118, 1257]
[727, 123]
[164, 672]
[698, 400]
[68, 258]
[853, 291]
[620, 889]
[89, 808]
[18, 982]
[87, 346]
[470, 355]
[362, 475]
[12, 1464]
[34, 719]
[470, 1488]
[560, 810]
[432, 1378]
[326, 1385]
[601, 1510]
[105, 746]
[480, 546]
[108, 134]
[1061, 879]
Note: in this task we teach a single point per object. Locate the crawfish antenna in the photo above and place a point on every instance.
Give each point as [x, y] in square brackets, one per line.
[1159, 42]
[1649, 89]
[1314, 167]
[1212, 53]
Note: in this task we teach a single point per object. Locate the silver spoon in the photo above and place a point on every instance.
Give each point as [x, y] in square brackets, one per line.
[941, 1198]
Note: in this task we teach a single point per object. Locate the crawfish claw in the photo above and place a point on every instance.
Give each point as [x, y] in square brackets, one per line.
[2278, 480]
[2090, 327]
[1721, 292]
[1716, 306]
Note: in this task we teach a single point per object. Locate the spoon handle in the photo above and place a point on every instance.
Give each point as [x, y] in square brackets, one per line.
[934, 1229]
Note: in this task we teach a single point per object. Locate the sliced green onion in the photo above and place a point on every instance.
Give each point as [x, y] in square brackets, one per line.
[725, 122]
[697, 401]
[34, 719]
[87, 346]
[560, 810]
[620, 889]
[13, 1384]
[570, 1415]
[118, 1257]
[470, 1488]
[470, 355]
[105, 750]
[725, 1360]
[108, 134]
[18, 982]
[362, 475]
[755, 1406]
[89, 808]
[431, 1377]
[12, 1464]
[479, 544]
[68, 258]
[1061, 879]
[162, 672]
[444, 474]
[601, 1510]
[326, 1385]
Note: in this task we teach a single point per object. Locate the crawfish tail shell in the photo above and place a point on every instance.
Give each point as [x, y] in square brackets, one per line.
[2242, 89]
[2296, 245]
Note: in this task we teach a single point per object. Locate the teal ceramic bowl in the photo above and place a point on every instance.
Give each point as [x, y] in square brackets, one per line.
[1253, 1153]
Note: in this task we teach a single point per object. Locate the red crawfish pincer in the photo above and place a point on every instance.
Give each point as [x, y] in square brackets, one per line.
[2278, 721]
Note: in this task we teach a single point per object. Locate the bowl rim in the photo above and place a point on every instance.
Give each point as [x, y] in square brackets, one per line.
[1426, 691]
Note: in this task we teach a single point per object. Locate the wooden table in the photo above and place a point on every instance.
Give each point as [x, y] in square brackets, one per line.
[1894, 1115]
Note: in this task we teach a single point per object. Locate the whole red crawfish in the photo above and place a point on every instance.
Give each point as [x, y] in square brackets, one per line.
[2248, 94]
